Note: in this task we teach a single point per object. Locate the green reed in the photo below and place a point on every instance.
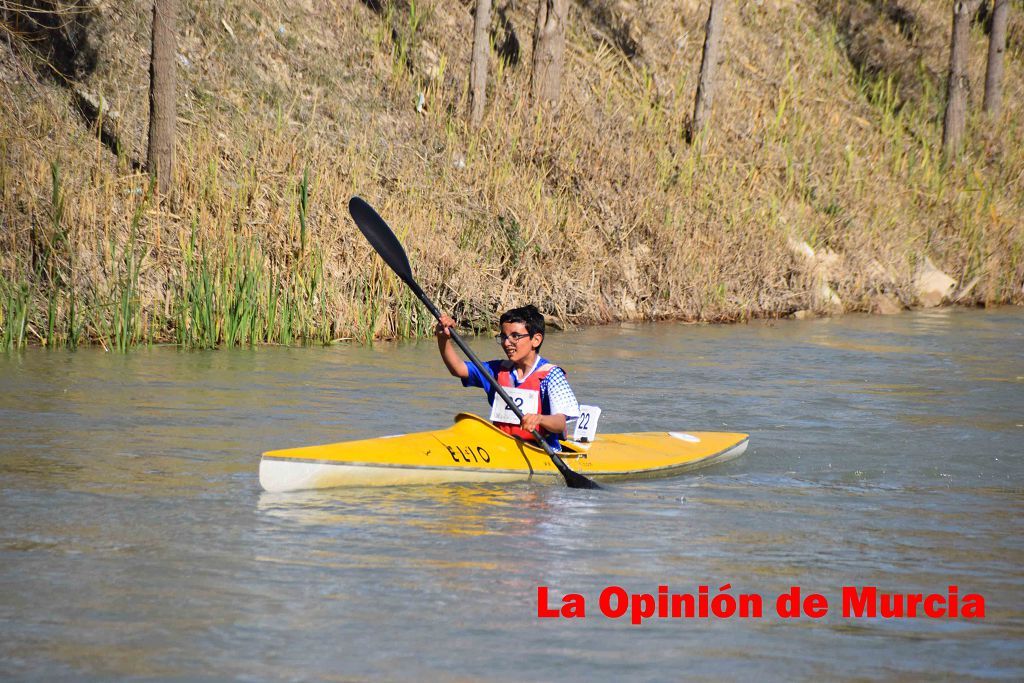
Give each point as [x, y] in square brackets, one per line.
[124, 319]
[195, 321]
[303, 209]
[14, 308]
[239, 294]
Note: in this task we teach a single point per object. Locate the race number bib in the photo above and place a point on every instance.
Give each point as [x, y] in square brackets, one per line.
[586, 424]
[527, 400]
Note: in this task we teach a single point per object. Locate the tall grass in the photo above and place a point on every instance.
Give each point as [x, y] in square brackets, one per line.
[233, 295]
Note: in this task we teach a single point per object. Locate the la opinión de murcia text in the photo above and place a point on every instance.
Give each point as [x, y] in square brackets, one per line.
[856, 602]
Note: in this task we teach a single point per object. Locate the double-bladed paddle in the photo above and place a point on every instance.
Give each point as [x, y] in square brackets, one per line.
[383, 240]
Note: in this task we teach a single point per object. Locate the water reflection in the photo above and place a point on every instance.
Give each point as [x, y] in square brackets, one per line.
[449, 510]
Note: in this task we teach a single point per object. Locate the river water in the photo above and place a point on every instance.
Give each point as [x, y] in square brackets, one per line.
[135, 541]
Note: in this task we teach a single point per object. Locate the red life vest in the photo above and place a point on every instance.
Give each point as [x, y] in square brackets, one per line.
[531, 383]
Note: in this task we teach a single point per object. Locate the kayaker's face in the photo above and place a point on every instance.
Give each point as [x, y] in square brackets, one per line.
[517, 343]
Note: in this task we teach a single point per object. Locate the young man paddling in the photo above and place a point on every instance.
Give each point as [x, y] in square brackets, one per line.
[538, 387]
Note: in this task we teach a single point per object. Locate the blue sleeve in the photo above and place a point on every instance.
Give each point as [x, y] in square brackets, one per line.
[476, 379]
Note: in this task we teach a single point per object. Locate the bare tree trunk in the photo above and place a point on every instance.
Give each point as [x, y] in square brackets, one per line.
[996, 48]
[708, 66]
[956, 102]
[478, 66]
[160, 155]
[549, 50]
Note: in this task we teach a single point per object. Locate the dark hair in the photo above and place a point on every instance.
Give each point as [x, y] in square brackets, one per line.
[527, 315]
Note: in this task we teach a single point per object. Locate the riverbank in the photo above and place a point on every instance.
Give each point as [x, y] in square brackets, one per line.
[820, 188]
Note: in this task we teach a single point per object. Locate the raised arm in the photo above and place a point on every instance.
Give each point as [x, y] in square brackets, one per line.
[456, 366]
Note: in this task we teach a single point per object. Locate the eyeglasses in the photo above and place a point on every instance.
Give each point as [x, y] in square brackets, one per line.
[516, 337]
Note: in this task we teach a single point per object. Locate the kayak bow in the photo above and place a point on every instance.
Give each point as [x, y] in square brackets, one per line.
[474, 450]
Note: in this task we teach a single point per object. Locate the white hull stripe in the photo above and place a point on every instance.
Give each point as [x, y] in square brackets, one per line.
[399, 466]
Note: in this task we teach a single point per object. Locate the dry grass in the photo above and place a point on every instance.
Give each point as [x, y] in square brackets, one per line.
[596, 212]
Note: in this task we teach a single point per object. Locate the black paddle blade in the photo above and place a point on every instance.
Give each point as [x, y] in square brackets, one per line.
[381, 238]
[575, 480]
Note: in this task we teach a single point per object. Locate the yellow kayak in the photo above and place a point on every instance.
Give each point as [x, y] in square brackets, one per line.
[474, 450]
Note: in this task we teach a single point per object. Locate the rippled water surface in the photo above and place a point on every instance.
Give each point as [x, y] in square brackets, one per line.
[885, 451]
